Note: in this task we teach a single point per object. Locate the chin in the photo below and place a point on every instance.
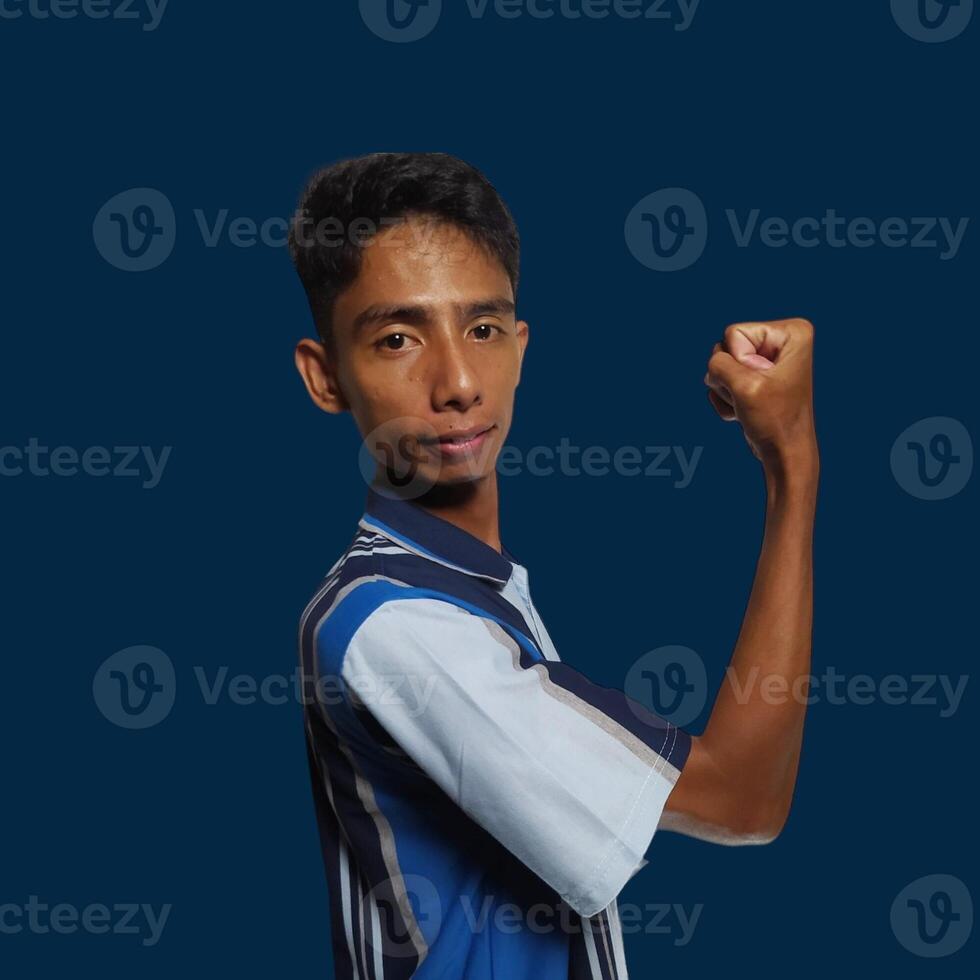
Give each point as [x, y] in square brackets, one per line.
[447, 478]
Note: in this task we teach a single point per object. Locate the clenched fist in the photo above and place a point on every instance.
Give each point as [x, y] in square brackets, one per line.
[762, 375]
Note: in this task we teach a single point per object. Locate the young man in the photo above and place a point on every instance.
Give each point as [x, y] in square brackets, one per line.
[480, 802]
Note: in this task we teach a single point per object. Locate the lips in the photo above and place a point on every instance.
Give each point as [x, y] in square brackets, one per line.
[461, 436]
[462, 443]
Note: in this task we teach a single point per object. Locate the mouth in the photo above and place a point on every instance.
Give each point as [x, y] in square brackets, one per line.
[462, 441]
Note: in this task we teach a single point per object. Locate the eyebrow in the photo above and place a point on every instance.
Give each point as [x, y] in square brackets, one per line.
[419, 314]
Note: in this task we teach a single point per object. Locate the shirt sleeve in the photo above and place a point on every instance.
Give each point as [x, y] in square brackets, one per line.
[569, 776]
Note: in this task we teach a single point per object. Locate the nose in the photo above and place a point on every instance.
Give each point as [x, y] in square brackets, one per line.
[456, 384]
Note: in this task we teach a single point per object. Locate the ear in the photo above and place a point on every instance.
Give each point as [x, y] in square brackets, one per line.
[523, 335]
[318, 371]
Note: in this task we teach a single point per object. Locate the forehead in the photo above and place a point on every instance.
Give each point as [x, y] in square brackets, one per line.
[422, 261]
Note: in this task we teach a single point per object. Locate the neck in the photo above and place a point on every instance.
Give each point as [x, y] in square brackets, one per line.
[471, 506]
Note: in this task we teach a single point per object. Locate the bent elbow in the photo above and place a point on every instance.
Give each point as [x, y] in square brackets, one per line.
[763, 835]
[763, 828]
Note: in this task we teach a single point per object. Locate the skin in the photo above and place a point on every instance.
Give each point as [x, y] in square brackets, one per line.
[439, 370]
[737, 785]
[437, 367]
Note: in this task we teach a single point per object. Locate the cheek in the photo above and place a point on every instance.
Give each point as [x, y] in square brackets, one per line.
[507, 372]
[397, 394]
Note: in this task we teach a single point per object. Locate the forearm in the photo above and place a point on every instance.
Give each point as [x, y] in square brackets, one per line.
[739, 781]
[755, 730]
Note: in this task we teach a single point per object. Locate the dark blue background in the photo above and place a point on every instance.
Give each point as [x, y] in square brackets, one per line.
[788, 107]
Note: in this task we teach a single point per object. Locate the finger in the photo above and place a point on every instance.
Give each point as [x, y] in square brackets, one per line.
[749, 359]
[718, 388]
[726, 375]
[756, 344]
[714, 350]
[723, 408]
[757, 362]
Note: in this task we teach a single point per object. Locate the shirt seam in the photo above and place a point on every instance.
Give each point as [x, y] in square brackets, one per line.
[618, 841]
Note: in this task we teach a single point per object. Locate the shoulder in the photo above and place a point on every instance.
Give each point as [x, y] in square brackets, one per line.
[401, 605]
[372, 571]
[362, 560]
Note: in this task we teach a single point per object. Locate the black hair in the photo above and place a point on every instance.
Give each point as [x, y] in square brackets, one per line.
[344, 205]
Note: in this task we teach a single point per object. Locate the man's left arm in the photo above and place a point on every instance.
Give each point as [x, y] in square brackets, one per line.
[737, 785]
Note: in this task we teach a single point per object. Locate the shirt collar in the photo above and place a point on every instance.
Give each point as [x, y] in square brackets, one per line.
[422, 532]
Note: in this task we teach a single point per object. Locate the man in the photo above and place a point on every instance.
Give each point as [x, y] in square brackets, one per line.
[464, 776]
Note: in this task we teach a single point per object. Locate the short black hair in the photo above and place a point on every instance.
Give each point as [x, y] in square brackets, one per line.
[342, 203]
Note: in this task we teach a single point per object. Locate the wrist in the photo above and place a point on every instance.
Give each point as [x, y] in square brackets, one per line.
[796, 466]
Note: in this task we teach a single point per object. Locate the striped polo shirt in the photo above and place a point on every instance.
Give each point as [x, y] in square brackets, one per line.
[480, 803]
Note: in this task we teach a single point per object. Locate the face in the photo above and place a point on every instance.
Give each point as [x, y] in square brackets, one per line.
[428, 351]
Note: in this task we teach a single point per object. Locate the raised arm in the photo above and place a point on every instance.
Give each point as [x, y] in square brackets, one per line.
[737, 785]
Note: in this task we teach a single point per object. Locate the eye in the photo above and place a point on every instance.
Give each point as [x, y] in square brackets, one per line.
[487, 326]
[386, 342]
